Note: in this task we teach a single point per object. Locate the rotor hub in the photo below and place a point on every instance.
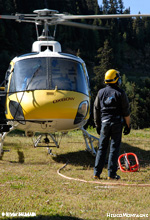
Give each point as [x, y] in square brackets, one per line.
[46, 12]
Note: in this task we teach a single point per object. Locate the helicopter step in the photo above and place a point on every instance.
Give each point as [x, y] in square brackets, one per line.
[46, 142]
[45, 146]
[89, 139]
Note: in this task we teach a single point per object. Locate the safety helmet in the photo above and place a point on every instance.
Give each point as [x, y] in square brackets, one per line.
[112, 76]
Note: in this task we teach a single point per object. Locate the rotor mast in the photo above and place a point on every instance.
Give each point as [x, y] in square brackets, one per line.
[44, 13]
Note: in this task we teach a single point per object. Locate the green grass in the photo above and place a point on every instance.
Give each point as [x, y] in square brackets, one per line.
[29, 181]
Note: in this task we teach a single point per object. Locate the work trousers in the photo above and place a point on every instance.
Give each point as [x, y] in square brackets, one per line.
[109, 131]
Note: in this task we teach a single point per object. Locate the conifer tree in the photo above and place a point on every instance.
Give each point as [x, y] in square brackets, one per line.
[121, 6]
[138, 32]
[105, 62]
[105, 6]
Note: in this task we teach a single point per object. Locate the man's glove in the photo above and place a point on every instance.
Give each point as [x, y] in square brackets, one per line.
[126, 130]
[98, 130]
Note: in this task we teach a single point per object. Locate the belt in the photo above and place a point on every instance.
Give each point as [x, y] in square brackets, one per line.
[115, 118]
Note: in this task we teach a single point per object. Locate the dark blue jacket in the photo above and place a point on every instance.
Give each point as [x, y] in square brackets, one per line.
[111, 103]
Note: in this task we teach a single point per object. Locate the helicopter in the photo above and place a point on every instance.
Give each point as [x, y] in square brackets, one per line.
[46, 90]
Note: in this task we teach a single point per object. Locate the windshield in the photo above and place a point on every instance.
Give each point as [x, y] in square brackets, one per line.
[47, 73]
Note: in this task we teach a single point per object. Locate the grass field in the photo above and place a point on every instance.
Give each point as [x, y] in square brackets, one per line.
[29, 182]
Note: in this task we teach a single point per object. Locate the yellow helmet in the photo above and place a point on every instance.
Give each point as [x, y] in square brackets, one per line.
[112, 76]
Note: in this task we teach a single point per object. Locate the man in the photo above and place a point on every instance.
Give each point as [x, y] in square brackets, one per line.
[110, 107]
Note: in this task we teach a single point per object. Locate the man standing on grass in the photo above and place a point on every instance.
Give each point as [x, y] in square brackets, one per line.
[110, 107]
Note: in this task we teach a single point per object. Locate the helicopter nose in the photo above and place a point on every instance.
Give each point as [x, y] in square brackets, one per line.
[54, 105]
[54, 109]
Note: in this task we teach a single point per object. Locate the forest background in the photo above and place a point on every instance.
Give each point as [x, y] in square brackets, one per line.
[125, 46]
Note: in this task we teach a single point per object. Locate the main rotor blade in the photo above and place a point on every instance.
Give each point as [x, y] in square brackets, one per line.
[51, 17]
[80, 25]
[70, 17]
[26, 21]
[14, 17]
[32, 15]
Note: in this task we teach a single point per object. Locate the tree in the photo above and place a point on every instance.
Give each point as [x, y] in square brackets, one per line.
[138, 32]
[105, 61]
[92, 6]
[121, 6]
[133, 96]
[113, 9]
[105, 6]
[144, 103]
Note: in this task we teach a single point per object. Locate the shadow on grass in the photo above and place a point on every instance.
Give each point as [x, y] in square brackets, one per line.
[42, 217]
[81, 158]
[20, 157]
[84, 158]
[143, 155]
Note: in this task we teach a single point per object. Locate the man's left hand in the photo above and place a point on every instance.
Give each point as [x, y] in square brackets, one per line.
[126, 130]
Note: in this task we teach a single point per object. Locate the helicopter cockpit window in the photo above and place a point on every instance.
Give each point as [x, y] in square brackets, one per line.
[68, 75]
[29, 74]
[45, 73]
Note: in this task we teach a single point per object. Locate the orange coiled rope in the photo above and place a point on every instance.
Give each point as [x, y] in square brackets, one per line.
[99, 182]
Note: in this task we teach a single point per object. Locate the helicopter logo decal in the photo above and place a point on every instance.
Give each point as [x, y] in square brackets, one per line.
[64, 100]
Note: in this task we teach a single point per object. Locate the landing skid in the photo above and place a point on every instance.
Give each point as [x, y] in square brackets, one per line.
[46, 142]
[2, 137]
[89, 141]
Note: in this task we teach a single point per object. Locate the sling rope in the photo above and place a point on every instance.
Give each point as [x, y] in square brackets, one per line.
[99, 182]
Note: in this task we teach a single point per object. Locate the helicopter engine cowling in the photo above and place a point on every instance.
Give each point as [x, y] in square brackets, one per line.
[53, 46]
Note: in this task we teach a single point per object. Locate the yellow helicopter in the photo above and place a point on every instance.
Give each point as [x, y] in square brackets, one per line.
[47, 91]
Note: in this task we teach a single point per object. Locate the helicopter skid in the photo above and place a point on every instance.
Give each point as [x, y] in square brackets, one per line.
[1, 144]
[89, 141]
[2, 137]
